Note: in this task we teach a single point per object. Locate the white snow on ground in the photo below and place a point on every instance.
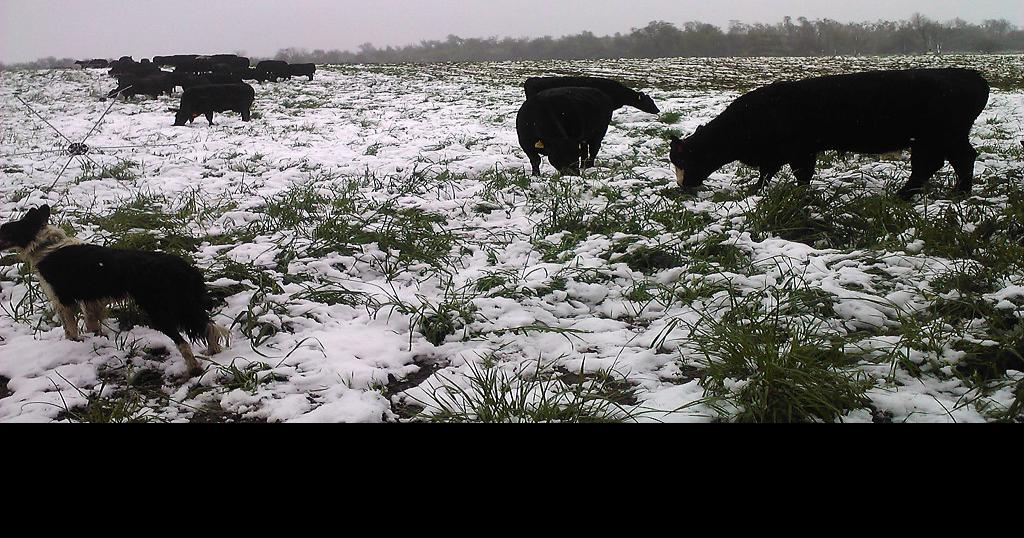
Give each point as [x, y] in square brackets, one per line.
[387, 132]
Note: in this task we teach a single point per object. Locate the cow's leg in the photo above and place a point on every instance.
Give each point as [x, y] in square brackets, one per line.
[246, 114]
[209, 117]
[803, 168]
[925, 160]
[963, 156]
[767, 173]
[535, 160]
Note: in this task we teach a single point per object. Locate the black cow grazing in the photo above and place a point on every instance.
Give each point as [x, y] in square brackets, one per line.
[201, 100]
[621, 95]
[930, 111]
[273, 70]
[566, 124]
[299, 70]
[152, 85]
[253, 74]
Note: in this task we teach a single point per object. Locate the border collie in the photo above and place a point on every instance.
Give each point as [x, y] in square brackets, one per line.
[73, 274]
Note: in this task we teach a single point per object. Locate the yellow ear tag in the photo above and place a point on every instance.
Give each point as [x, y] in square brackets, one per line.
[539, 144]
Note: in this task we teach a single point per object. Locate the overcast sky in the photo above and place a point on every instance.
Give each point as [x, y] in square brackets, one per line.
[30, 29]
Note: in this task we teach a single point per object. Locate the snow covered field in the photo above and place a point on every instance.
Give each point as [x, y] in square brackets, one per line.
[381, 253]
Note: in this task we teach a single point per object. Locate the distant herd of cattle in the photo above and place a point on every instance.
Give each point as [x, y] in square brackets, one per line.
[929, 111]
[209, 84]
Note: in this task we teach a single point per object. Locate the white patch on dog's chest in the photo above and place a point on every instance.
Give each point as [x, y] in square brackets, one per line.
[47, 290]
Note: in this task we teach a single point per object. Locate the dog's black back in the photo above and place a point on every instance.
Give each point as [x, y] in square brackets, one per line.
[169, 290]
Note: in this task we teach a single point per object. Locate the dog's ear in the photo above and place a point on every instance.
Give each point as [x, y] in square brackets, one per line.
[37, 218]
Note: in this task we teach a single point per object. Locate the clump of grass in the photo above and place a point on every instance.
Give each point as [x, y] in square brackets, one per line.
[121, 171]
[262, 318]
[671, 118]
[143, 212]
[770, 358]
[848, 218]
[344, 220]
[794, 212]
[435, 320]
[566, 206]
[489, 393]
[650, 259]
[124, 405]
[248, 378]
[144, 224]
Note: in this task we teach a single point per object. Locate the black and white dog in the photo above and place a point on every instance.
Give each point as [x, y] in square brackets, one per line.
[73, 274]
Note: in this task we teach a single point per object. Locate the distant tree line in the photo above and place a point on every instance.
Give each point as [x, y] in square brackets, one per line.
[43, 63]
[659, 39]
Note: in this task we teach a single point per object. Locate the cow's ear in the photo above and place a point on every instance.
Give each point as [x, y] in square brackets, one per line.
[44, 214]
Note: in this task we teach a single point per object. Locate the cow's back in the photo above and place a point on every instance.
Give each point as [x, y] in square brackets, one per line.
[576, 112]
[220, 95]
[867, 112]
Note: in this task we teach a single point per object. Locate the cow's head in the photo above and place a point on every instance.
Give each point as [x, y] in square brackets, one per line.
[20, 233]
[690, 172]
[564, 156]
[646, 104]
[181, 116]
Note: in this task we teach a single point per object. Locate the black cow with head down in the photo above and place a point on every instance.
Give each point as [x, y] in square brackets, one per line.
[302, 70]
[152, 85]
[253, 74]
[273, 70]
[581, 125]
[205, 100]
[929, 111]
[566, 124]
